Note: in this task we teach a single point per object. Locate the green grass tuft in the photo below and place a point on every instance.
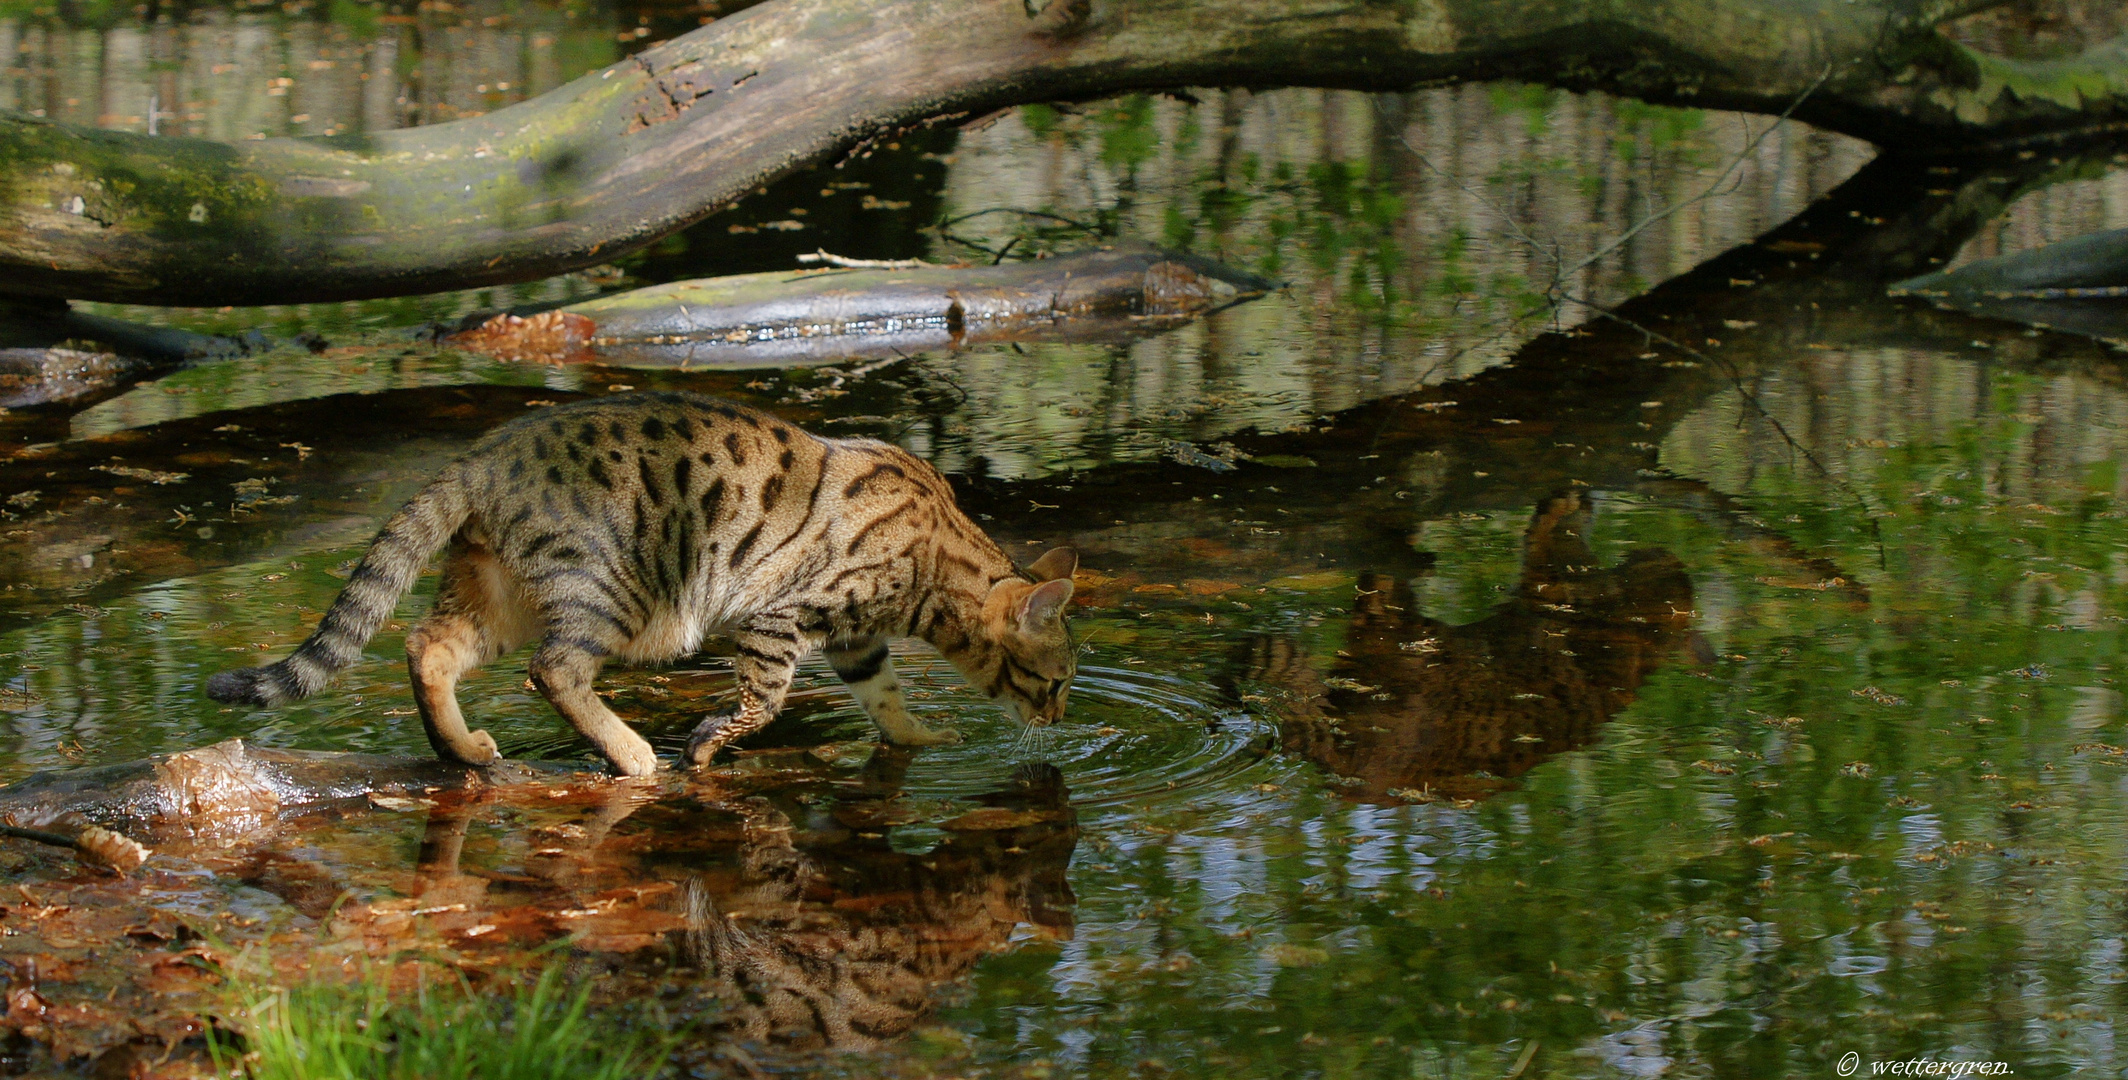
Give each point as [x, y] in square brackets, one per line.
[360, 1031]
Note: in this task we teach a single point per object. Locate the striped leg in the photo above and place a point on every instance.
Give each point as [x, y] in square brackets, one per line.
[439, 650]
[767, 659]
[563, 669]
[473, 622]
[866, 669]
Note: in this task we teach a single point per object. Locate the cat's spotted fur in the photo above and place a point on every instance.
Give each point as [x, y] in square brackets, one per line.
[632, 526]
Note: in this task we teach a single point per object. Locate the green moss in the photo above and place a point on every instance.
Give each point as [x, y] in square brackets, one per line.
[1665, 126]
[1531, 102]
[2097, 75]
[190, 179]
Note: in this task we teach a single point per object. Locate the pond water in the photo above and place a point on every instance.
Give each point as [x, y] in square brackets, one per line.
[1713, 687]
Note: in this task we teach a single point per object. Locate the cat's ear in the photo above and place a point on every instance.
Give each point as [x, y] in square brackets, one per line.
[1058, 564]
[1044, 605]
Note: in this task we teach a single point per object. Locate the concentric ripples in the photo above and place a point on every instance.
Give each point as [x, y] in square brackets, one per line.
[1132, 733]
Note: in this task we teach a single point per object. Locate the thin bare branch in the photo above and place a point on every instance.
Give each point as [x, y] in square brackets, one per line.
[1559, 280]
[844, 262]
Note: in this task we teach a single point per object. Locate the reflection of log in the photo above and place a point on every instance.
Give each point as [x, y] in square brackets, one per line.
[820, 316]
[1588, 408]
[1417, 708]
[623, 156]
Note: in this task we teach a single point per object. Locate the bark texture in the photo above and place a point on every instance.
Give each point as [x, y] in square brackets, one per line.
[826, 316]
[635, 151]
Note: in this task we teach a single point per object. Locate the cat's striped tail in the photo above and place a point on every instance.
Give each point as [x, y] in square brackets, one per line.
[395, 558]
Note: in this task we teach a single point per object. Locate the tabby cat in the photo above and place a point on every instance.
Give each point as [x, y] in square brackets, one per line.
[632, 526]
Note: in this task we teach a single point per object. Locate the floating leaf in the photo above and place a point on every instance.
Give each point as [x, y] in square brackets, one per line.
[152, 476]
[107, 848]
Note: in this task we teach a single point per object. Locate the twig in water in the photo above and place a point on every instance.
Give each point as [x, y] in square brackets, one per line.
[1522, 1062]
[1736, 379]
[1506, 218]
[1564, 272]
[96, 845]
[950, 222]
[844, 262]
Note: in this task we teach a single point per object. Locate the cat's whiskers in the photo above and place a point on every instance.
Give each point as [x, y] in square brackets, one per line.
[1035, 742]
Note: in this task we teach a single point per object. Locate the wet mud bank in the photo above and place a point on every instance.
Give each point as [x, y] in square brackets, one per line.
[760, 901]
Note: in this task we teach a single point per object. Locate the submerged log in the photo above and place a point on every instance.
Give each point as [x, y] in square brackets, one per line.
[2079, 286]
[633, 152]
[56, 375]
[230, 786]
[825, 316]
[52, 355]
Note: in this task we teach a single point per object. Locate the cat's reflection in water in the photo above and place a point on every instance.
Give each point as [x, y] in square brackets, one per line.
[901, 925]
[795, 913]
[1417, 708]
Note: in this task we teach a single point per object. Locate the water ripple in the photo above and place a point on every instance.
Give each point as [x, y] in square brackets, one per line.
[1131, 734]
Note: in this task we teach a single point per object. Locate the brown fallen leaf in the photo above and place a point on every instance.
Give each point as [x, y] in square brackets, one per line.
[107, 848]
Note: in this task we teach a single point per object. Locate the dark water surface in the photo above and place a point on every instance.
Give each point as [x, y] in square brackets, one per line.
[1710, 691]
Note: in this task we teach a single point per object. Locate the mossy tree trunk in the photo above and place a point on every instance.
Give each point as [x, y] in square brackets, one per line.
[633, 152]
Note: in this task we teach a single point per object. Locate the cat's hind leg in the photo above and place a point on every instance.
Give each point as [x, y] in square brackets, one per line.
[563, 668]
[866, 668]
[473, 622]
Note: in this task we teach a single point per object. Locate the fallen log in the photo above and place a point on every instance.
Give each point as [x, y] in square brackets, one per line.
[832, 315]
[95, 519]
[630, 153]
[2079, 286]
[53, 355]
[231, 786]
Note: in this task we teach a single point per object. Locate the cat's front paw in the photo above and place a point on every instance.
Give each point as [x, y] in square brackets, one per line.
[709, 737]
[924, 736]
